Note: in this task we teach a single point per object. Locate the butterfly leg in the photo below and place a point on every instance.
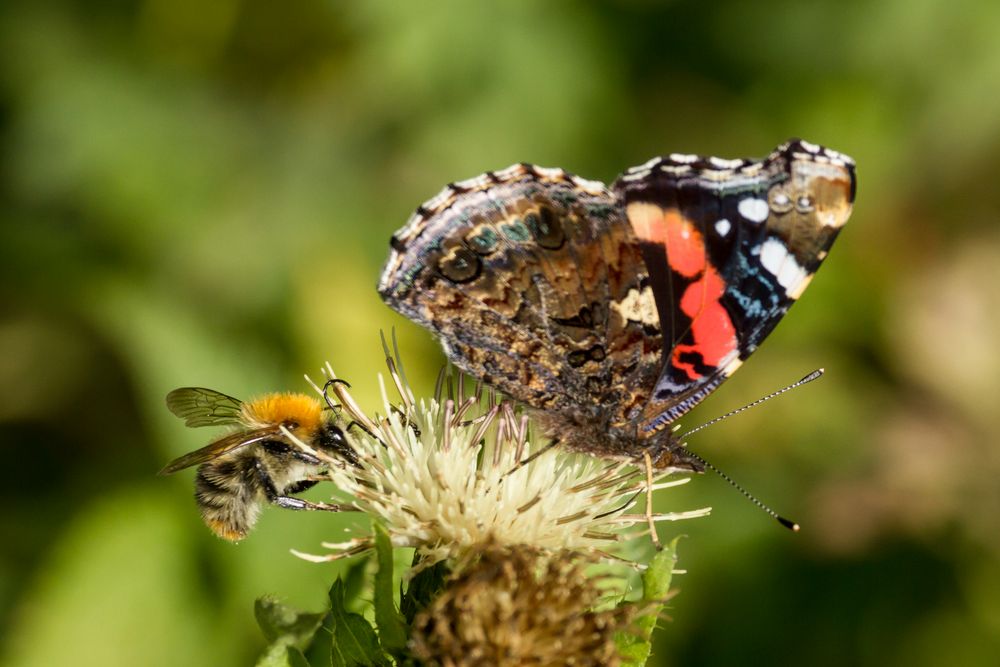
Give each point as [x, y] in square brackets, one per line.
[524, 462]
[649, 500]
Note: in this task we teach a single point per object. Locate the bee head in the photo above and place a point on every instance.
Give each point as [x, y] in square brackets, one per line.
[330, 439]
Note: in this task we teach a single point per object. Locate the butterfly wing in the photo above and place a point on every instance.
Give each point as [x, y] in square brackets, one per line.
[729, 246]
[534, 282]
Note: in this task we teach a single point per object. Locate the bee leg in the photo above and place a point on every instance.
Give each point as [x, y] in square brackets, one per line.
[363, 428]
[279, 448]
[289, 502]
[305, 457]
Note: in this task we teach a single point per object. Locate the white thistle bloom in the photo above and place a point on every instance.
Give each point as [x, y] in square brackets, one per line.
[443, 476]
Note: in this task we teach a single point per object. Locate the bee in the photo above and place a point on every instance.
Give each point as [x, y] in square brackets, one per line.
[256, 462]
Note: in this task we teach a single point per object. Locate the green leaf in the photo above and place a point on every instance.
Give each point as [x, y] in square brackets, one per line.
[355, 585]
[423, 588]
[281, 623]
[635, 647]
[282, 655]
[318, 653]
[296, 659]
[391, 629]
[354, 641]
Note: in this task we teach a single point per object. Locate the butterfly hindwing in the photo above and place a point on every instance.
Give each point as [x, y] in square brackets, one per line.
[534, 282]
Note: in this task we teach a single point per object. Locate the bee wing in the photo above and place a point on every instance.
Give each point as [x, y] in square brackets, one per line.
[220, 447]
[198, 406]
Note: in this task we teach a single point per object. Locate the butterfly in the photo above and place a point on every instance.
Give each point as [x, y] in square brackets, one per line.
[612, 311]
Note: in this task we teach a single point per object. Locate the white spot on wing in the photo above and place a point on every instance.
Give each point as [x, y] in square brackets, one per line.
[511, 172]
[633, 175]
[791, 274]
[774, 257]
[552, 173]
[723, 163]
[638, 307]
[723, 226]
[733, 365]
[795, 291]
[772, 254]
[754, 210]
[590, 187]
[477, 183]
[647, 165]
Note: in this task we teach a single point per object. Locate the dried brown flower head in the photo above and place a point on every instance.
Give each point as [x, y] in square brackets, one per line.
[521, 606]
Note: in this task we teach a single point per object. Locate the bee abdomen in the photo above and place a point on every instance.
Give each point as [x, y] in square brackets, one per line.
[228, 495]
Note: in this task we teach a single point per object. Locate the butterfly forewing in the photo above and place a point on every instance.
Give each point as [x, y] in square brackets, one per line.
[740, 240]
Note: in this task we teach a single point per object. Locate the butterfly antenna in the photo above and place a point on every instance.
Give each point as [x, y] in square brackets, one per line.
[807, 379]
[787, 523]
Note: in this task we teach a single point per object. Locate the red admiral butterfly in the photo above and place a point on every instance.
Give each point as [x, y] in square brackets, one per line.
[613, 312]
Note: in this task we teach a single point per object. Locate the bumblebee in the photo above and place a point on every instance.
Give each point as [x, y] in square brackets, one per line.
[256, 462]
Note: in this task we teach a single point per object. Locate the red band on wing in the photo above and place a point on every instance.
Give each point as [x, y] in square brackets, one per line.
[685, 245]
[711, 326]
[682, 243]
[684, 250]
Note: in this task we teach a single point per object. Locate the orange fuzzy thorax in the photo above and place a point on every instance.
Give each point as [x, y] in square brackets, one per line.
[290, 410]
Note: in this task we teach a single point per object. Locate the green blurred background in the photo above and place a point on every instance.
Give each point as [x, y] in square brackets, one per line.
[201, 193]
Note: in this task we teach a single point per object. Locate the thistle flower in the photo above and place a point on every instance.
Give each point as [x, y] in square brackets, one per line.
[449, 475]
[521, 606]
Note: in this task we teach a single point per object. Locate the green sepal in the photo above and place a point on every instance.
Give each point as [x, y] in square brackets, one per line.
[392, 630]
[423, 588]
[635, 647]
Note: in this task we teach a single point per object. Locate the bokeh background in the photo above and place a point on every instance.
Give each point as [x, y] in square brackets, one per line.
[201, 193]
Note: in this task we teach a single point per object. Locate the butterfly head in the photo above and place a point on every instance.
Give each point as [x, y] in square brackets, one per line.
[668, 453]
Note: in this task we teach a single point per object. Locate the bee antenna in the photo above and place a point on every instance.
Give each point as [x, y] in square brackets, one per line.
[787, 523]
[807, 379]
